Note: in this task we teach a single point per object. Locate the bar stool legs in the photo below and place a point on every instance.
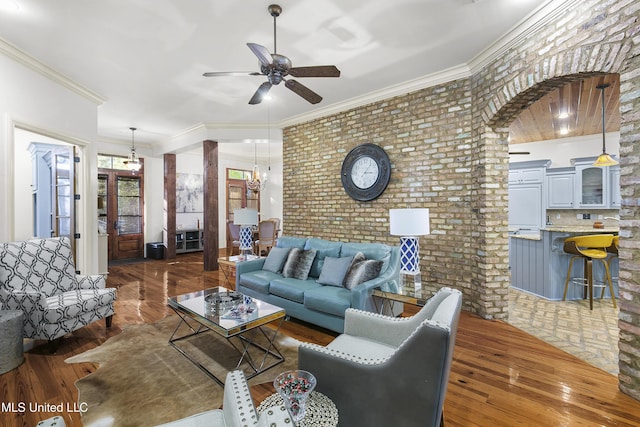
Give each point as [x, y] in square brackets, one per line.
[589, 248]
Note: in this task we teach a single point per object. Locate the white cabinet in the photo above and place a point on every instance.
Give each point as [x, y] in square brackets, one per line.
[526, 195]
[525, 207]
[592, 185]
[614, 185]
[560, 188]
[526, 176]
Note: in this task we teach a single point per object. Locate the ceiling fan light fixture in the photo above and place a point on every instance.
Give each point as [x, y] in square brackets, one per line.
[604, 159]
[133, 162]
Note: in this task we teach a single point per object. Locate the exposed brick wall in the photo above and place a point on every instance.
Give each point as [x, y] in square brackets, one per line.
[448, 148]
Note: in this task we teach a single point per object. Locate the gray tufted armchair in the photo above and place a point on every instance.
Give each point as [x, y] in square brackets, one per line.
[39, 277]
[385, 371]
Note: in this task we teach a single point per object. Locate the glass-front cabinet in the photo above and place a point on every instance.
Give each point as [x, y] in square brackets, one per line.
[592, 184]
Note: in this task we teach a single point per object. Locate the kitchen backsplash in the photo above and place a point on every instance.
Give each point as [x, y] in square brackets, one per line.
[563, 217]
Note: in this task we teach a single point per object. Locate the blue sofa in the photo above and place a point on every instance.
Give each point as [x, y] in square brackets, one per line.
[308, 300]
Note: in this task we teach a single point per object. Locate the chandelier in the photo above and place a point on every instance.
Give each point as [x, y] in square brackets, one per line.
[133, 162]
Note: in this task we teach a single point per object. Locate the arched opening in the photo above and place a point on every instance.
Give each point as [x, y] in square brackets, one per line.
[591, 335]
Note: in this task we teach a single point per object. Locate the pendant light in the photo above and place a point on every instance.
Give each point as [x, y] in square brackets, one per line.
[133, 162]
[604, 159]
[253, 184]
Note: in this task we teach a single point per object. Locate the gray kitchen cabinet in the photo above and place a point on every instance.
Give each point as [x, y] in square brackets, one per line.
[614, 185]
[560, 188]
[592, 184]
[527, 195]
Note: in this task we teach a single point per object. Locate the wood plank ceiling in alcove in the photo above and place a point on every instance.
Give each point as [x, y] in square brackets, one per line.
[580, 101]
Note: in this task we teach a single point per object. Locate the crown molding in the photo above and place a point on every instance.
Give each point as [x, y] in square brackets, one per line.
[527, 27]
[448, 75]
[13, 52]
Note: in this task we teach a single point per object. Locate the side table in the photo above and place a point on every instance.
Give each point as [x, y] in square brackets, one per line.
[320, 410]
[228, 264]
[406, 295]
[11, 350]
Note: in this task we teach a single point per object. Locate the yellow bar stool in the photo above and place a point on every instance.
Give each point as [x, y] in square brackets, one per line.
[588, 248]
[613, 253]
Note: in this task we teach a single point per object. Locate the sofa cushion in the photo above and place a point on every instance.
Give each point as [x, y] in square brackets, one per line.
[291, 242]
[258, 280]
[298, 263]
[292, 289]
[362, 270]
[324, 248]
[328, 299]
[376, 251]
[276, 259]
[334, 270]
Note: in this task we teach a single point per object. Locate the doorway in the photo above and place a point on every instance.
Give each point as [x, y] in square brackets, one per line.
[53, 185]
[239, 196]
[120, 208]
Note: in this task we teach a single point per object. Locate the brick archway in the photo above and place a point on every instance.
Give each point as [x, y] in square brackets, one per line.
[527, 86]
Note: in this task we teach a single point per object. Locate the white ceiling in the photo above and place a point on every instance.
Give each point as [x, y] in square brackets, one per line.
[145, 58]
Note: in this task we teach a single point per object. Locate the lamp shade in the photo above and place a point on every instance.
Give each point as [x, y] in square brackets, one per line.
[409, 222]
[245, 217]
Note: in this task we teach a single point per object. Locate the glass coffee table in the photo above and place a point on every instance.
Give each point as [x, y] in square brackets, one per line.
[235, 317]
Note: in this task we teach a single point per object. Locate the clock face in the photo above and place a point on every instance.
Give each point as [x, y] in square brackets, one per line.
[366, 172]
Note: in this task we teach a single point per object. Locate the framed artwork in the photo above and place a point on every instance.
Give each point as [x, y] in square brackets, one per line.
[189, 193]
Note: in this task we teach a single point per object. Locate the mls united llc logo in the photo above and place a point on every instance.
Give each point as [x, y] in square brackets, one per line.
[21, 407]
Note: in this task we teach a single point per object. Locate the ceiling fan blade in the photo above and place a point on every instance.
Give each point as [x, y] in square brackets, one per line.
[316, 71]
[231, 73]
[303, 91]
[262, 53]
[260, 93]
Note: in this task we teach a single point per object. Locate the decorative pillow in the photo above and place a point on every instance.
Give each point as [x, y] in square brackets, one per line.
[298, 263]
[276, 259]
[361, 270]
[334, 270]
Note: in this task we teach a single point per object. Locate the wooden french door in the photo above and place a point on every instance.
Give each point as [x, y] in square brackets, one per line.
[238, 197]
[120, 212]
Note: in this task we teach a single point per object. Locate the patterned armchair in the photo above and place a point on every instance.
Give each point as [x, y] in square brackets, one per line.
[38, 277]
[386, 371]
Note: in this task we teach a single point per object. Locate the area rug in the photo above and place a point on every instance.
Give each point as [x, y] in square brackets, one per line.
[144, 381]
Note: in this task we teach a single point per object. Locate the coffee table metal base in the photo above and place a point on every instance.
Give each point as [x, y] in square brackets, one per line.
[245, 341]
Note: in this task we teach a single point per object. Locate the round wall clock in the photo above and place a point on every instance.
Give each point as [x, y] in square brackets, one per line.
[366, 171]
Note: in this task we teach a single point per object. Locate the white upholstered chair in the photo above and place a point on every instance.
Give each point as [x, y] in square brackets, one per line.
[39, 278]
[237, 410]
[386, 371]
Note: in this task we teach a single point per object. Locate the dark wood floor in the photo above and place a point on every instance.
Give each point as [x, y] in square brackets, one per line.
[500, 375]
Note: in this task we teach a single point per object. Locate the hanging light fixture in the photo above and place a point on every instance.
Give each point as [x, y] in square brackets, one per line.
[133, 162]
[604, 159]
[253, 184]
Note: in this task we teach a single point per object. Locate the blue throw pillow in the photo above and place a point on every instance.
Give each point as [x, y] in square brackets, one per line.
[276, 259]
[334, 270]
[298, 263]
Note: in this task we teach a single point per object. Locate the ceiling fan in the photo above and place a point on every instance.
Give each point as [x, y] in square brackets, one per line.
[276, 67]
